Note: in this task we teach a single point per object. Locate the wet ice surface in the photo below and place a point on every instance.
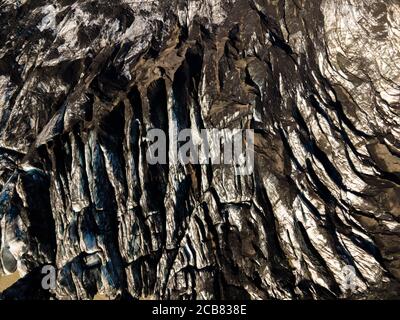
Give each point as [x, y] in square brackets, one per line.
[81, 83]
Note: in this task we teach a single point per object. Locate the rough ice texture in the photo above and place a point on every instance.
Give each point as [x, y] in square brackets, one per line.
[81, 83]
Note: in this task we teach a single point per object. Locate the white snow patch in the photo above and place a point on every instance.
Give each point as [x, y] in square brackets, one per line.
[49, 20]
